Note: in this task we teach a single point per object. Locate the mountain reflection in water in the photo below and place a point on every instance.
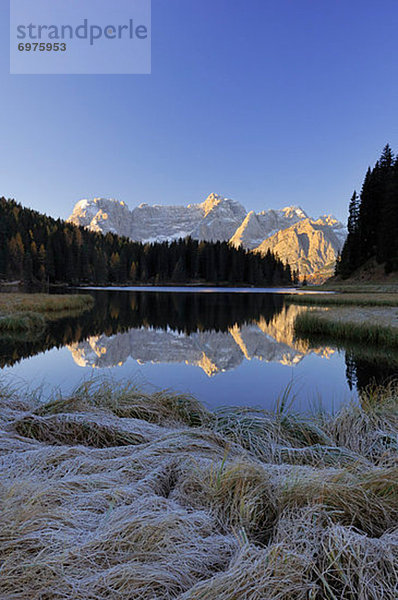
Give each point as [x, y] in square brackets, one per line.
[215, 332]
[269, 339]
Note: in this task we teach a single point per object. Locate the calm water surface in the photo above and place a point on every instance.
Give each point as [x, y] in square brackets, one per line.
[226, 347]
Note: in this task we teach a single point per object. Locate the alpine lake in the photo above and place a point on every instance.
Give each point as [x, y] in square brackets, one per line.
[226, 347]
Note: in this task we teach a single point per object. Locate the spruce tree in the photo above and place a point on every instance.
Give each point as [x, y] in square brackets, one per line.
[373, 221]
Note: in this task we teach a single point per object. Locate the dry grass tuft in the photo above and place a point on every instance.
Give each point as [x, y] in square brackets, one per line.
[125, 400]
[239, 494]
[74, 430]
[117, 494]
[370, 428]
[367, 501]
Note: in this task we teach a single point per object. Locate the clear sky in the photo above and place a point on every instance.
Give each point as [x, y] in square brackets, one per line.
[270, 102]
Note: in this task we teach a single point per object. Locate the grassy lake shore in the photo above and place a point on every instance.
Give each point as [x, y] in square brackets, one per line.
[370, 318]
[29, 312]
[115, 493]
[374, 326]
[345, 299]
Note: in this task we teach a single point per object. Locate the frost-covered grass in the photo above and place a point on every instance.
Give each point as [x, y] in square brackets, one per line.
[113, 493]
[29, 312]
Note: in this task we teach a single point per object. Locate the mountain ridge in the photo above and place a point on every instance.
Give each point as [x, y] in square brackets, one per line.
[223, 219]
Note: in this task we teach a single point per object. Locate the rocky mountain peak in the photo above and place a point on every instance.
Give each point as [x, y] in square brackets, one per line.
[329, 220]
[215, 202]
[307, 244]
[294, 211]
[211, 201]
[102, 214]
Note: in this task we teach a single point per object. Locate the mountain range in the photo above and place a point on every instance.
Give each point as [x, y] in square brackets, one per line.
[309, 245]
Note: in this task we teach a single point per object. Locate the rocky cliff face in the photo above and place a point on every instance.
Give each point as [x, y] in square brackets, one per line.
[312, 246]
[102, 214]
[308, 244]
[214, 219]
[257, 227]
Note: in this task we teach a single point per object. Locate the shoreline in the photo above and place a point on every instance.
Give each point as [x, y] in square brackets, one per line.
[188, 288]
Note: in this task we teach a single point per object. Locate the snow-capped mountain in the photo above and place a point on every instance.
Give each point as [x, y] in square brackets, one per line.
[103, 215]
[214, 219]
[308, 244]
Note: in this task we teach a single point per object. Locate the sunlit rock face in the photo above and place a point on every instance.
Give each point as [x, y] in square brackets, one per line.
[213, 352]
[257, 227]
[311, 245]
[222, 216]
[102, 214]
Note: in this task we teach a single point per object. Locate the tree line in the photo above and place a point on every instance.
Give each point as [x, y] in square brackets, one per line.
[373, 219]
[40, 250]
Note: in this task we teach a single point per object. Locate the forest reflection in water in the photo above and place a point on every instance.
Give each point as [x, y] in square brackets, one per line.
[213, 331]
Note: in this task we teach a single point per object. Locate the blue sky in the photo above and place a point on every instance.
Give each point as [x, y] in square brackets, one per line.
[270, 102]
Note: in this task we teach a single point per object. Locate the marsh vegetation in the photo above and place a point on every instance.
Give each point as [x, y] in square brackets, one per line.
[338, 326]
[29, 312]
[345, 299]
